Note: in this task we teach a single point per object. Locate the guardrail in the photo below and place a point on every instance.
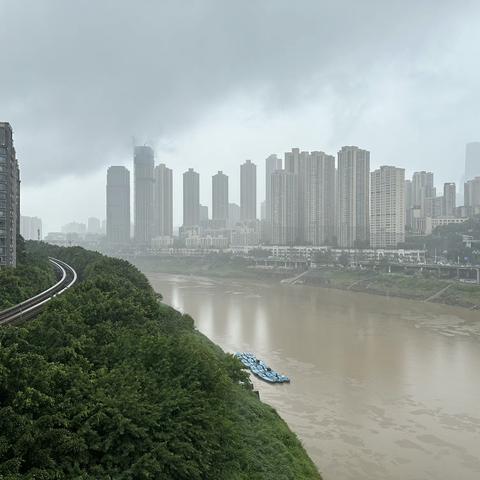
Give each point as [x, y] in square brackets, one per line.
[32, 306]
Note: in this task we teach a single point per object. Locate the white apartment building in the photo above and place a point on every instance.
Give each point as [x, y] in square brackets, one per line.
[284, 195]
[387, 207]
[317, 183]
[353, 193]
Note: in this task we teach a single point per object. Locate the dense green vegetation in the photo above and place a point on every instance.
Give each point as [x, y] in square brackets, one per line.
[447, 241]
[108, 383]
[32, 275]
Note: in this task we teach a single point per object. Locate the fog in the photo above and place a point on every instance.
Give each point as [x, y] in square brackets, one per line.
[210, 83]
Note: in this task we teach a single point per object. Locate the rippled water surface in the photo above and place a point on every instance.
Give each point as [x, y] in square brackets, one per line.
[381, 388]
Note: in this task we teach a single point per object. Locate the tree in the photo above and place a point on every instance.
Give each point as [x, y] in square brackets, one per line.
[344, 259]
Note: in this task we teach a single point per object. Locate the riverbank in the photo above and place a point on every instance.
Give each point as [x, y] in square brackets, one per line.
[210, 266]
[413, 287]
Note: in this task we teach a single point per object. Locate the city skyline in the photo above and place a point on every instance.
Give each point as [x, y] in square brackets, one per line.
[442, 205]
[315, 199]
[98, 209]
[420, 193]
[438, 206]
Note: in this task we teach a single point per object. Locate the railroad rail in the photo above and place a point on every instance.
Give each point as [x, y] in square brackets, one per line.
[31, 307]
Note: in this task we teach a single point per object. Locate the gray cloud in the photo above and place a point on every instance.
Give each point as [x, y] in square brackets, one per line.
[80, 78]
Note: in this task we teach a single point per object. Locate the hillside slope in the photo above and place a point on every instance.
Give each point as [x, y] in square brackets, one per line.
[108, 383]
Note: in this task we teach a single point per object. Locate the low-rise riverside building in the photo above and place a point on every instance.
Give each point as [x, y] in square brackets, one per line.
[432, 223]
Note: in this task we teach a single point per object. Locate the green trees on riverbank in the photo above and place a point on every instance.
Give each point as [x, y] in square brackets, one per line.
[109, 383]
[448, 240]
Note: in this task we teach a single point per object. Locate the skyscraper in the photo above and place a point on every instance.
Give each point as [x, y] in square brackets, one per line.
[144, 186]
[163, 201]
[408, 204]
[9, 197]
[118, 205]
[220, 197]
[284, 201]
[248, 191]
[353, 197]
[472, 195]
[449, 200]
[422, 189]
[272, 163]
[472, 160]
[387, 211]
[317, 183]
[295, 162]
[191, 198]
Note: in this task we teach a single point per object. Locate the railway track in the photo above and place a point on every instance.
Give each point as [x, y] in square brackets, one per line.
[31, 307]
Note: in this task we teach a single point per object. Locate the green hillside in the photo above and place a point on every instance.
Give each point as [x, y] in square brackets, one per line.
[108, 383]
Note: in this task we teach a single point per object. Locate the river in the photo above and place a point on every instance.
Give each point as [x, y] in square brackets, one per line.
[382, 389]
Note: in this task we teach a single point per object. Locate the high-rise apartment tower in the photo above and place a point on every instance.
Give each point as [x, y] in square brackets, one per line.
[472, 160]
[353, 197]
[422, 190]
[220, 197]
[272, 164]
[248, 191]
[9, 197]
[387, 210]
[284, 201]
[118, 205]
[144, 187]
[449, 200]
[191, 198]
[317, 184]
[163, 201]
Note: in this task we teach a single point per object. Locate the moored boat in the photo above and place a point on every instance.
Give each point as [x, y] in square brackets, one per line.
[260, 369]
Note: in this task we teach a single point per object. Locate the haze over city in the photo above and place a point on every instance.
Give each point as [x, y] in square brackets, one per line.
[211, 84]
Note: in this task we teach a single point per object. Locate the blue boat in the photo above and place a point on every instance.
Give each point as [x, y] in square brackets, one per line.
[260, 369]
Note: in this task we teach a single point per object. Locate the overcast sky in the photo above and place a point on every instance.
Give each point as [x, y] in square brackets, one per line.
[210, 83]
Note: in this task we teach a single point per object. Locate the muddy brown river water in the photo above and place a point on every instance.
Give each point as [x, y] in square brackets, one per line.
[381, 388]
